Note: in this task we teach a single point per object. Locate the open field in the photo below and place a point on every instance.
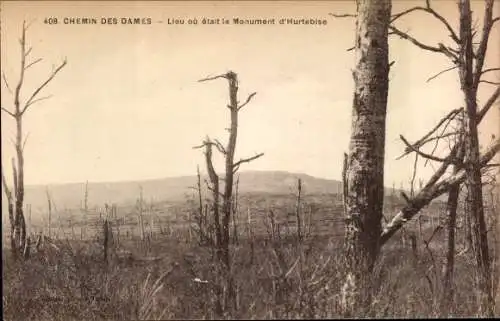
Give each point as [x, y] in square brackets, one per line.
[169, 275]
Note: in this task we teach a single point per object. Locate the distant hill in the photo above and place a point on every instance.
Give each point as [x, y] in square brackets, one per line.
[172, 189]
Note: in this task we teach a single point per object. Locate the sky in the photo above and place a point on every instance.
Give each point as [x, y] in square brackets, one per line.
[128, 105]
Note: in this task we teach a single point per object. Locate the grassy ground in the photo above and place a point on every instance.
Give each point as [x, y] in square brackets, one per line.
[73, 283]
[170, 277]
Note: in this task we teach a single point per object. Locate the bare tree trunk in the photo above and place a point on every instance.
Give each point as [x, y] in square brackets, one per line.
[250, 235]
[451, 212]
[214, 188]
[140, 212]
[297, 211]
[85, 210]
[231, 168]
[365, 170]
[10, 203]
[17, 112]
[228, 185]
[49, 207]
[451, 223]
[469, 87]
[229, 161]
[214, 180]
[117, 223]
[105, 240]
[202, 224]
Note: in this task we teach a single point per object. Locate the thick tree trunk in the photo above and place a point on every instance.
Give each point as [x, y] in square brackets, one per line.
[472, 163]
[365, 172]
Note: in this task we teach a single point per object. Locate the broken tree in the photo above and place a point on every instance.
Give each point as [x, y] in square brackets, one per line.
[364, 172]
[468, 57]
[19, 241]
[222, 225]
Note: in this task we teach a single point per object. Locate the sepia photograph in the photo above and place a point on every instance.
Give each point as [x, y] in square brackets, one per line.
[179, 160]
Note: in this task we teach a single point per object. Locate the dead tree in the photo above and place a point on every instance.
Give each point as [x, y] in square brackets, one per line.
[213, 187]
[105, 240]
[364, 168]
[450, 225]
[140, 213]
[222, 224]
[438, 184]
[203, 226]
[469, 61]
[16, 198]
[298, 210]
[85, 210]
[49, 212]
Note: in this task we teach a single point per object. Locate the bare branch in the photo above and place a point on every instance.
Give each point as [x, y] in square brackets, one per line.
[496, 83]
[45, 83]
[399, 15]
[15, 177]
[199, 146]
[346, 15]
[25, 140]
[428, 140]
[441, 135]
[483, 45]
[414, 175]
[6, 83]
[489, 70]
[213, 78]
[441, 72]
[34, 101]
[27, 52]
[8, 193]
[33, 63]
[439, 49]
[493, 165]
[444, 166]
[8, 112]
[211, 189]
[452, 114]
[219, 146]
[488, 105]
[248, 100]
[19, 85]
[247, 160]
[431, 157]
[434, 13]
[431, 191]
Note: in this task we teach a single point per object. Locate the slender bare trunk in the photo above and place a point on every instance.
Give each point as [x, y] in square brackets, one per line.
[297, 210]
[449, 264]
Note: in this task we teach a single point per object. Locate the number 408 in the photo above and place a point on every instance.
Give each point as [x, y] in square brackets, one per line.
[50, 21]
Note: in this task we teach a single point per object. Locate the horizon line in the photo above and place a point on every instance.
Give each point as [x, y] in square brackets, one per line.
[167, 177]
